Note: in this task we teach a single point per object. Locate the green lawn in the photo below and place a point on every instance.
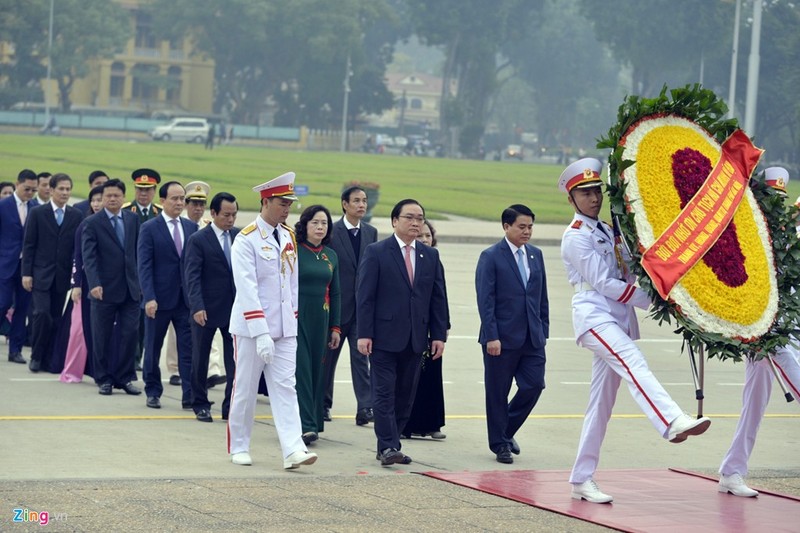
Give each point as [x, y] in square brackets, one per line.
[479, 189]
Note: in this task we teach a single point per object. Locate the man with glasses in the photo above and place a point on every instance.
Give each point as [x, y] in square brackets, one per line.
[400, 305]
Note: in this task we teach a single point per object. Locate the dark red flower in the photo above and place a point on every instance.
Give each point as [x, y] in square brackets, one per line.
[690, 169]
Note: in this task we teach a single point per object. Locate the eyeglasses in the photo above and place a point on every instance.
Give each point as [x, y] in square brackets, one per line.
[412, 218]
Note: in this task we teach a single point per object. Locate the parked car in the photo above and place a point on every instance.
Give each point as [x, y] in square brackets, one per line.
[514, 150]
[182, 129]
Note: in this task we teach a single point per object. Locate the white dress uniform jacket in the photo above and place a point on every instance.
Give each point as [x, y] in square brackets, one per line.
[604, 291]
[266, 297]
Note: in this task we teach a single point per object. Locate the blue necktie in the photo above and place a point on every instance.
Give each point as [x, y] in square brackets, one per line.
[59, 216]
[226, 247]
[117, 220]
[521, 265]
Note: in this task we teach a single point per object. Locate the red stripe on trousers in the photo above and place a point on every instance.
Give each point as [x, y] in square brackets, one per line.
[787, 380]
[633, 378]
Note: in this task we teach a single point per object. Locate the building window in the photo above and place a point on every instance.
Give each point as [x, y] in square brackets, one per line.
[416, 103]
[174, 85]
[145, 83]
[144, 31]
[117, 86]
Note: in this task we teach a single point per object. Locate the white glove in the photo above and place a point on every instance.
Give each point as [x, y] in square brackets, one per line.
[265, 347]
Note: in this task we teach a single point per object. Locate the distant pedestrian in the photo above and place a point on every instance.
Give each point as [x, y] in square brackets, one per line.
[210, 137]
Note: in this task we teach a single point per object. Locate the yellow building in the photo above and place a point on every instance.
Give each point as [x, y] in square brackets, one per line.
[150, 74]
[422, 93]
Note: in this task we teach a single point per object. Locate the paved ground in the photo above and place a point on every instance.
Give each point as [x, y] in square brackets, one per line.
[110, 464]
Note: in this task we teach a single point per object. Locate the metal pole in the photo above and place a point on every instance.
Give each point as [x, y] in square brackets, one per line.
[49, 63]
[752, 71]
[779, 378]
[347, 74]
[702, 354]
[734, 61]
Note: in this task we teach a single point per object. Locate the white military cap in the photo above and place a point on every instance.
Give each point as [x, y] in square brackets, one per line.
[581, 174]
[197, 190]
[777, 178]
[282, 186]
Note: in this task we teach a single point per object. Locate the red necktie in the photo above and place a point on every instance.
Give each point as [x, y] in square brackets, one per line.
[409, 268]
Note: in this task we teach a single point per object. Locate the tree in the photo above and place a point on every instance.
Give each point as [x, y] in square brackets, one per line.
[472, 33]
[576, 83]
[663, 41]
[293, 51]
[83, 30]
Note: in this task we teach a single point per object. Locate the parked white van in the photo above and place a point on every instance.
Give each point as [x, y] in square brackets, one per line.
[182, 129]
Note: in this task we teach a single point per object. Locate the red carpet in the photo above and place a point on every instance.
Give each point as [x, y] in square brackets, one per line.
[644, 500]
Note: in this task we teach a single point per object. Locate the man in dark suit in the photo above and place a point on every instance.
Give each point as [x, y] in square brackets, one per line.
[96, 178]
[47, 253]
[162, 244]
[401, 304]
[210, 289]
[108, 246]
[145, 181]
[42, 189]
[349, 239]
[515, 320]
[13, 217]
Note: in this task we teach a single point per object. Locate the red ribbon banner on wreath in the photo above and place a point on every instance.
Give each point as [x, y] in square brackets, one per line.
[700, 223]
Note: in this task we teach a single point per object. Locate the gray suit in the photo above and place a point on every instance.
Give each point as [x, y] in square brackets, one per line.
[348, 266]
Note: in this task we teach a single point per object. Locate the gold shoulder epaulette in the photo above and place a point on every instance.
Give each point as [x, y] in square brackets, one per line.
[577, 224]
[250, 228]
[291, 229]
[127, 205]
[157, 206]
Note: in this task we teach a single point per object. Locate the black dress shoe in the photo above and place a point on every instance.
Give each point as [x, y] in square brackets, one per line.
[16, 357]
[105, 389]
[326, 415]
[504, 455]
[131, 389]
[138, 366]
[514, 446]
[204, 415]
[215, 380]
[309, 437]
[363, 417]
[174, 380]
[390, 456]
[34, 365]
[153, 402]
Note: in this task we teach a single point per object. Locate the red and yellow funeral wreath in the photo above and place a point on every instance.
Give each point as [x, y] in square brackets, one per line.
[705, 239]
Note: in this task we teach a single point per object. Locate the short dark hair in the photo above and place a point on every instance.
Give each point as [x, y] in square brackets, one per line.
[300, 228]
[162, 192]
[41, 175]
[433, 233]
[56, 178]
[511, 213]
[95, 190]
[349, 191]
[399, 207]
[119, 184]
[25, 175]
[96, 174]
[216, 202]
[4, 184]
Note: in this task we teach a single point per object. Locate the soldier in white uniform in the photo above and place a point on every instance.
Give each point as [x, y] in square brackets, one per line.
[758, 376]
[264, 326]
[605, 322]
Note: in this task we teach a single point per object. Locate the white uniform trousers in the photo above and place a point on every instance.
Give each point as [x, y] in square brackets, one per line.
[758, 379]
[280, 379]
[169, 352]
[616, 357]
